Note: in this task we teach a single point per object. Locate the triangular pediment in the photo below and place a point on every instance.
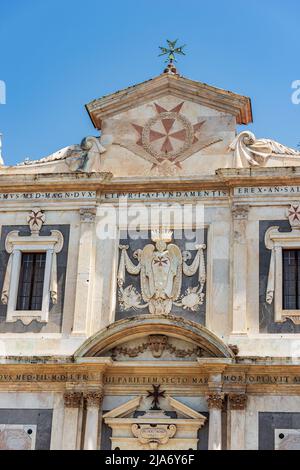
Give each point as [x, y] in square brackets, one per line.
[184, 410]
[125, 409]
[168, 126]
[183, 88]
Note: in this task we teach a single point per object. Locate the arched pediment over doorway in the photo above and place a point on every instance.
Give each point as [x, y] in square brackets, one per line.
[154, 337]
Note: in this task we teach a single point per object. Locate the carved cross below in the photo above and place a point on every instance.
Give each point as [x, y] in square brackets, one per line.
[156, 394]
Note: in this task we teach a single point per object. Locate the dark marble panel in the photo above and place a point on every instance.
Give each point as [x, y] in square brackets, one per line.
[56, 311]
[266, 311]
[268, 422]
[106, 433]
[184, 243]
[203, 433]
[41, 418]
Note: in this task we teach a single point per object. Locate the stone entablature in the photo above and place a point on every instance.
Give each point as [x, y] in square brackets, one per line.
[202, 193]
[95, 377]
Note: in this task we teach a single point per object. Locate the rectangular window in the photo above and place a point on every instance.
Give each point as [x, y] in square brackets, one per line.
[31, 283]
[291, 279]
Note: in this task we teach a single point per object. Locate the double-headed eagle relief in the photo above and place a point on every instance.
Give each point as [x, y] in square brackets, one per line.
[161, 267]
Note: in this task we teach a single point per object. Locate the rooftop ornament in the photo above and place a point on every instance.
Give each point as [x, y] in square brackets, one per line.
[171, 51]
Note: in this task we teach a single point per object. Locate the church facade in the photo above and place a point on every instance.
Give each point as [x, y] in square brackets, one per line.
[150, 281]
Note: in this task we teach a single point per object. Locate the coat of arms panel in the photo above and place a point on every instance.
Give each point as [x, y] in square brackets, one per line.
[162, 273]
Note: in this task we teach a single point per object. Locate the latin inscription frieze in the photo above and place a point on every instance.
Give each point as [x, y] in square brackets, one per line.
[203, 194]
[52, 196]
[262, 379]
[266, 190]
[162, 380]
[46, 377]
[138, 380]
[165, 195]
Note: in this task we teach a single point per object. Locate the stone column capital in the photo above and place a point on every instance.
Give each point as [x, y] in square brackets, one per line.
[87, 214]
[238, 401]
[240, 212]
[215, 401]
[72, 399]
[93, 398]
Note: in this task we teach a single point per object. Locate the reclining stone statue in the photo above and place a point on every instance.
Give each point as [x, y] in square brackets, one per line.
[255, 152]
[84, 157]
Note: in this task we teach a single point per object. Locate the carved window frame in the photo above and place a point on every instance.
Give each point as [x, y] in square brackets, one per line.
[277, 241]
[15, 245]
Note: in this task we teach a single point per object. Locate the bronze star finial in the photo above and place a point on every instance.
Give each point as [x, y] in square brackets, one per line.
[171, 51]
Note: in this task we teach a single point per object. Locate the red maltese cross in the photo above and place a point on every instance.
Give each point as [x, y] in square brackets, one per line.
[294, 213]
[169, 130]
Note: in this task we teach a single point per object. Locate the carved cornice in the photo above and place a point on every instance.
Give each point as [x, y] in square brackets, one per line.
[215, 401]
[93, 399]
[72, 399]
[237, 401]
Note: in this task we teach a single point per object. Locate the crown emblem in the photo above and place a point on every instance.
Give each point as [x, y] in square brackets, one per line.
[161, 235]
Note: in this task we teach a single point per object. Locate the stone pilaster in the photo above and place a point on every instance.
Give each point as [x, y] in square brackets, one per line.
[239, 270]
[72, 403]
[237, 407]
[93, 400]
[215, 404]
[84, 272]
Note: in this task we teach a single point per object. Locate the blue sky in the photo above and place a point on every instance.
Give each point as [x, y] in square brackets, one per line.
[57, 55]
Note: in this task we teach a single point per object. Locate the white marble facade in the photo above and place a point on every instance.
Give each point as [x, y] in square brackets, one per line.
[167, 142]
